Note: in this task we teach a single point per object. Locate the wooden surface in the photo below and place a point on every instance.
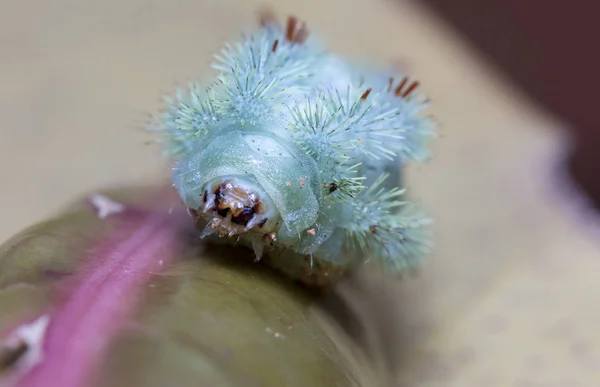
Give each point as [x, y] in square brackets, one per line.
[510, 297]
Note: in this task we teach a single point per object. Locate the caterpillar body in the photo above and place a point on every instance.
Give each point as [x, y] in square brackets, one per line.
[297, 153]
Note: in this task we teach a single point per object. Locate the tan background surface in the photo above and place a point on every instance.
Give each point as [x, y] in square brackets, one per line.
[510, 297]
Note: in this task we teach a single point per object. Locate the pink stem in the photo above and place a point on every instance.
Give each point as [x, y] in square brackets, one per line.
[98, 306]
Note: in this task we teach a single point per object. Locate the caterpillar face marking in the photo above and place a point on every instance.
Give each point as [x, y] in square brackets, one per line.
[298, 154]
[235, 206]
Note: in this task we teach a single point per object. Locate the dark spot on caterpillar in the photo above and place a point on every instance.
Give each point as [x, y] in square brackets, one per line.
[218, 196]
[10, 354]
[262, 222]
[373, 229]
[275, 43]
[365, 94]
[223, 212]
[244, 217]
[332, 187]
[205, 197]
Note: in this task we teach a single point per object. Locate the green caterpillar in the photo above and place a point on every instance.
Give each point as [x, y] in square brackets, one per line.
[297, 153]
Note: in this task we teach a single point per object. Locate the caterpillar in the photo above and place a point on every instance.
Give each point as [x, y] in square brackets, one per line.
[297, 153]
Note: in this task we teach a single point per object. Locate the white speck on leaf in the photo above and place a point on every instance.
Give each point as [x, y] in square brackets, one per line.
[32, 334]
[105, 206]
[276, 334]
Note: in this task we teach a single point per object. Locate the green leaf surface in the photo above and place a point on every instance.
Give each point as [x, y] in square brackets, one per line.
[211, 317]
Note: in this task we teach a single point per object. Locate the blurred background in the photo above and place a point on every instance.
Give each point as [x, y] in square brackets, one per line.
[511, 295]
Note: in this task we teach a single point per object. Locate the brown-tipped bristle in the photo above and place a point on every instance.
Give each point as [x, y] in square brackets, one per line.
[398, 90]
[275, 43]
[410, 89]
[291, 28]
[366, 94]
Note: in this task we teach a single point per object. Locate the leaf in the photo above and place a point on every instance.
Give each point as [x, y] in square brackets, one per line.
[200, 316]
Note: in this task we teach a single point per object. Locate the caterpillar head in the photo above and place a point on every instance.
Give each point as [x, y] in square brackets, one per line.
[236, 205]
[248, 182]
